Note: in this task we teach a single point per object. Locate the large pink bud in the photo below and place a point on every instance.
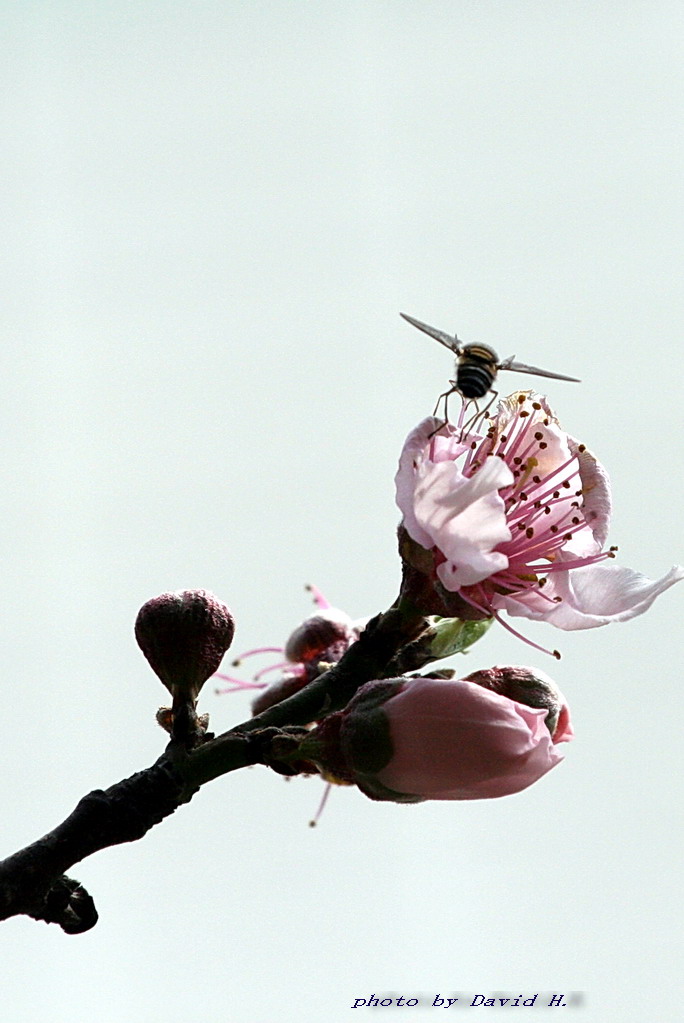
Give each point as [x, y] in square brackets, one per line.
[408, 740]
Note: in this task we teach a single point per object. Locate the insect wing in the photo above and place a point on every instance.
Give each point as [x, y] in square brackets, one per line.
[452, 343]
[521, 367]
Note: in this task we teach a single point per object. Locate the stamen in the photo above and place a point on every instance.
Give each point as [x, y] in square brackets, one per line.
[257, 650]
[495, 614]
[236, 684]
[321, 805]
[272, 667]
[318, 598]
[519, 635]
[566, 566]
[517, 434]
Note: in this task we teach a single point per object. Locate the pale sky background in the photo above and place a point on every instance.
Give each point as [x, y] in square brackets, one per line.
[212, 215]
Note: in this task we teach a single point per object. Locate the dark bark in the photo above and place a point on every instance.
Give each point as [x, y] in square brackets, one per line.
[33, 881]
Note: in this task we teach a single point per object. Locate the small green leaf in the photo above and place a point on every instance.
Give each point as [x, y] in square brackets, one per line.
[453, 636]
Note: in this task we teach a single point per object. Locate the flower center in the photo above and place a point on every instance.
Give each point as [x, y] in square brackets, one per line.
[543, 504]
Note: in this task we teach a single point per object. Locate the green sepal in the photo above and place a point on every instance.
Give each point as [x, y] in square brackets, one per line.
[453, 636]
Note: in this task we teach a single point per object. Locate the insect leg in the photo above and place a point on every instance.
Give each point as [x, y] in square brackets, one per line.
[444, 398]
[472, 422]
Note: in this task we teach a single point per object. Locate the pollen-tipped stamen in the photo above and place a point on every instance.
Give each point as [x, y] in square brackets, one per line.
[495, 614]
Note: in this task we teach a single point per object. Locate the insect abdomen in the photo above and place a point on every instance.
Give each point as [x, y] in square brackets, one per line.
[476, 371]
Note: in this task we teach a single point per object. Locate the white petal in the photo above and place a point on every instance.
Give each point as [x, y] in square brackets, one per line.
[472, 567]
[465, 518]
[596, 497]
[592, 596]
[411, 458]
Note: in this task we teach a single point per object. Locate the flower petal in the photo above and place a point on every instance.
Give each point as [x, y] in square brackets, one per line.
[596, 496]
[465, 517]
[456, 740]
[411, 458]
[591, 596]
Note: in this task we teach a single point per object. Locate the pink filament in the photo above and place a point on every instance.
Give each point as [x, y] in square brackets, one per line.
[318, 598]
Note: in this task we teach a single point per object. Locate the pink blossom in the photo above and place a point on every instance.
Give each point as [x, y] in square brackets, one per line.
[515, 519]
[408, 740]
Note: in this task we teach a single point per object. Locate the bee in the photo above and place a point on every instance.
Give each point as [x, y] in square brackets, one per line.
[477, 366]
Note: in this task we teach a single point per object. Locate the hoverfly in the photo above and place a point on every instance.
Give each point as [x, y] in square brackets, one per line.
[477, 366]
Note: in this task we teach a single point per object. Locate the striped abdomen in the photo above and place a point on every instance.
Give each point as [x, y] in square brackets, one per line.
[476, 370]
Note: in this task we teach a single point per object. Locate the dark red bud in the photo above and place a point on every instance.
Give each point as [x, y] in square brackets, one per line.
[317, 634]
[184, 636]
[277, 691]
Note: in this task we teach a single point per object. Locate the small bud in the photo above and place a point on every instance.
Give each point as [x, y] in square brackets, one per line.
[286, 686]
[319, 634]
[184, 636]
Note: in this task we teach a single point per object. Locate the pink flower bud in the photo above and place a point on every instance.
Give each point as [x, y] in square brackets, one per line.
[407, 740]
[184, 636]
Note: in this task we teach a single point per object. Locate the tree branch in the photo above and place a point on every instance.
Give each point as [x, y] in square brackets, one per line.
[33, 880]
